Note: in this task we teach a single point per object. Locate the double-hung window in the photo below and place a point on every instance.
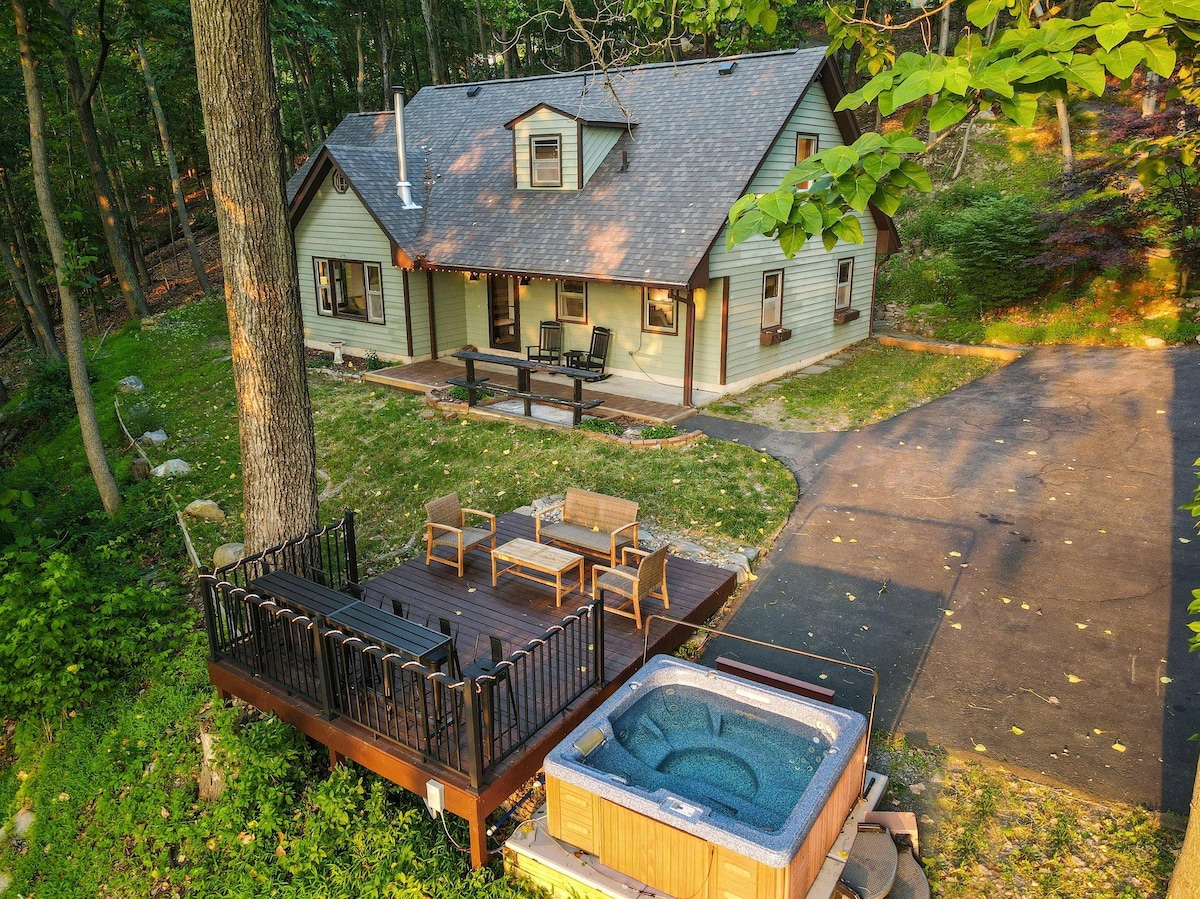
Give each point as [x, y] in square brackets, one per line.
[349, 289]
[806, 146]
[845, 282]
[572, 301]
[658, 311]
[545, 160]
[772, 299]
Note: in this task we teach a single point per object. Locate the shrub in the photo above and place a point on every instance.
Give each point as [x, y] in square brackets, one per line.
[909, 281]
[374, 363]
[460, 393]
[601, 426]
[659, 432]
[993, 243]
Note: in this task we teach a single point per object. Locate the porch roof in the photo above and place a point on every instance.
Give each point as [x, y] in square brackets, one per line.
[700, 139]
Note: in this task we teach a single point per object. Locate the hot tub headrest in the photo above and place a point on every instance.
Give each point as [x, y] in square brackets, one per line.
[589, 741]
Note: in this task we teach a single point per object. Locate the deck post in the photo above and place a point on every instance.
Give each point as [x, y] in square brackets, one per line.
[479, 851]
[598, 615]
[471, 395]
[324, 670]
[577, 411]
[207, 588]
[351, 547]
[472, 711]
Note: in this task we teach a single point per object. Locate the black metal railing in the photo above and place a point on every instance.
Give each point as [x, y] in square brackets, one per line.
[328, 557]
[468, 726]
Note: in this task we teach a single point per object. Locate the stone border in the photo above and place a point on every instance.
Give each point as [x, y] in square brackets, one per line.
[481, 411]
[921, 345]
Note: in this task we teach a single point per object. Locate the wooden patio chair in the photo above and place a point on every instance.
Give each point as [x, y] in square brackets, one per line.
[446, 528]
[596, 356]
[549, 346]
[648, 577]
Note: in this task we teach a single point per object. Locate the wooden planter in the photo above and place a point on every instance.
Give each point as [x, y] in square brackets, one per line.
[772, 336]
[842, 316]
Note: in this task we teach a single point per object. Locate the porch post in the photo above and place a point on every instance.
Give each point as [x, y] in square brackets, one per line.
[689, 349]
[432, 319]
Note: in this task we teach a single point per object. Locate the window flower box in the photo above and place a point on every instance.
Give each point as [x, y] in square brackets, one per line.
[772, 336]
[842, 316]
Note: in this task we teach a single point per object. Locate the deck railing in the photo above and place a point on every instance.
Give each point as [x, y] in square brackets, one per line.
[328, 557]
[467, 725]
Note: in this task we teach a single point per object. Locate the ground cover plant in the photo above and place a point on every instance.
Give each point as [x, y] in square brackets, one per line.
[872, 383]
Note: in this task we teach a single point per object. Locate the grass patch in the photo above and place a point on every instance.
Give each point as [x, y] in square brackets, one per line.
[872, 383]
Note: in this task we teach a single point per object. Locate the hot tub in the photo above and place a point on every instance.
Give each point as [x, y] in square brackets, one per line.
[700, 783]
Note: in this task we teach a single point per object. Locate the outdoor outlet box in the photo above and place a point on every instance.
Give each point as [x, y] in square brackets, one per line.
[435, 797]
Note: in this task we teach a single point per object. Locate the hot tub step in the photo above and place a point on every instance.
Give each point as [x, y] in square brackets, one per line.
[871, 868]
[910, 879]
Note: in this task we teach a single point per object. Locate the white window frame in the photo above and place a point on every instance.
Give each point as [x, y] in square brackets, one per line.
[843, 293]
[328, 284]
[772, 304]
[661, 299]
[536, 179]
[566, 294]
[816, 146]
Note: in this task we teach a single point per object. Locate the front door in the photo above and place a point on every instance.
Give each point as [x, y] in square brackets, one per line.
[505, 329]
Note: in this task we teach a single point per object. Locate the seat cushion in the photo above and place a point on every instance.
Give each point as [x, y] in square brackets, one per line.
[577, 535]
[472, 537]
[617, 584]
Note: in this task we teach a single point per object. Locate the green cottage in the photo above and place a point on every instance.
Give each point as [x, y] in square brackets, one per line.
[591, 199]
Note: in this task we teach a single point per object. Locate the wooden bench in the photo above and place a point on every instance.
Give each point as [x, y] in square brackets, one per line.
[591, 522]
[524, 391]
[774, 679]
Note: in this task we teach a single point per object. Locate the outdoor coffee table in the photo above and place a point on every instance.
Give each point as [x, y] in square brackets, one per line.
[525, 556]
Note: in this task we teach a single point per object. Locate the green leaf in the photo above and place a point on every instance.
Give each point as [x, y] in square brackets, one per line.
[868, 143]
[1112, 33]
[913, 117]
[1123, 60]
[768, 20]
[887, 199]
[904, 143]
[877, 85]
[946, 112]
[745, 227]
[1039, 69]
[805, 171]
[777, 204]
[1160, 56]
[852, 100]
[918, 84]
[791, 240]
[958, 77]
[992, 79]
[829, 239]
[1106, 14]
[848, 229]
[980, 13]
[860, 196]
[1087, 72]
[741, 206]
[838, 160]
[1022, 109]
[877, 166]
[1184, 9]
[916, 175]
[811, 218]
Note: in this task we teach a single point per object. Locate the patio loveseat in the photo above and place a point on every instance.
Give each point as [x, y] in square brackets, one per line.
[592, 523]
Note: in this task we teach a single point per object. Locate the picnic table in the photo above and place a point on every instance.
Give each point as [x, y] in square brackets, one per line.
[523, 390]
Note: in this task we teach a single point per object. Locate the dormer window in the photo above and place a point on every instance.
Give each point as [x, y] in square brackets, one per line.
[545, 161]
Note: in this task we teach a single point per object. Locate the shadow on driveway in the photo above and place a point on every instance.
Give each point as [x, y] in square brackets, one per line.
[1010, 555]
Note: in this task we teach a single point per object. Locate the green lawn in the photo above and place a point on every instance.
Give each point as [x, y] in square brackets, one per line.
[872, 383]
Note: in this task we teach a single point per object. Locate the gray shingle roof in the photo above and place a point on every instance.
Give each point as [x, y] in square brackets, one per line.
[700, 138]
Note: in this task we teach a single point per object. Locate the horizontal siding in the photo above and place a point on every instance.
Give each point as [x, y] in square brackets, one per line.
[809, 280]
[707, 359]
[545, 123]
[418, 304]
[450, 310]
[337, 226]
[597, 142]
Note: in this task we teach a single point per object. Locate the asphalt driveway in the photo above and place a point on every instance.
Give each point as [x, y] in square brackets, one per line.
[1013, 561]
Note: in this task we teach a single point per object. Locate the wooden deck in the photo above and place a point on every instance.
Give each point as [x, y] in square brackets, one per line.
[516, 611]
[421, 376]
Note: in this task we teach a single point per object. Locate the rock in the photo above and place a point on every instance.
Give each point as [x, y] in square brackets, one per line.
[428, 414]
[140, 469]
[131, 384]
[742, 576]
[917, 788]
[524, 510]
[153, 438]
[227, 554]
[170, 468]
[22, 822]
[5, 881]
[687, 548]
[740, 561]
[221, 359]
[205, 510]
[1155, 343]
[750, 552]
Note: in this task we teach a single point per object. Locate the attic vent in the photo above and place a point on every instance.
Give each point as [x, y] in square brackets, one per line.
[726, 68]
[340, 182]
[473, 90]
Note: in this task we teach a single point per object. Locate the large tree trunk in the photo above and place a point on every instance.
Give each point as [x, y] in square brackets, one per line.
[160, 119]
[39, 324]
[385, 55]
[360, 77]
[1064, 130]
[1185, 880]
[429, 17]
[262, 293]
[81, 100]
[37, 292]
[93, 444]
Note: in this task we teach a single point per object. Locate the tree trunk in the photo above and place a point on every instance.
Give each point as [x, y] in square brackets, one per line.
[483, 41]
[39, 325]
[1150, 94]
[360, 83]
[1185, 880]
[93, 444]
[132, 235]
[305, 89]
[1064, 128]
[81, 100]
[943, 46]
[385, 56]
[304, 128]
[160, 119]
[507, 51]
[428, 16]
[29, 263]
[262, 292]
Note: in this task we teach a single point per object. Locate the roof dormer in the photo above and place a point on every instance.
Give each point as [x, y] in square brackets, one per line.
[557, 150]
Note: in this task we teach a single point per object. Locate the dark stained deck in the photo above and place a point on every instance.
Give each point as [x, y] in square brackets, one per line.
[515, 610]
[421, 376]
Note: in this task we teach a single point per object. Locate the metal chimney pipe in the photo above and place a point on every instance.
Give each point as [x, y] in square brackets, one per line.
[403, 187]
